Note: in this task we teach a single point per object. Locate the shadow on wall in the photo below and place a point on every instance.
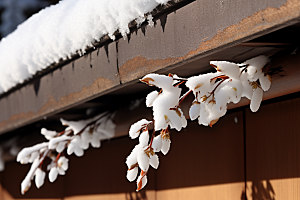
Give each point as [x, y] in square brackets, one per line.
[259, 190]
[262, 190]
[141, 195]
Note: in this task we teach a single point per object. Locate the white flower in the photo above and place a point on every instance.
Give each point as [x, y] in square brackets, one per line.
[132, 163]
[256, 99]
[132, 174]
[194, 111]
[176, 119]
[255, 66]
[144, 138]
[62, 165]
[143, 159]
[61, 146]
[137, 127]
[157, 143]
[55, 142]
[53, 174]
[255, 71]
[106, 129]
[141, 182]
[75, 146]
[48, 134]
[161, 81]
[39, 177]
[201, 85]
[27, 154]
[90, 137]
[212, 91]
[154, 162]
[151, 97]
[76, 126]
[166, 143]
[227, 68]
[141, 156]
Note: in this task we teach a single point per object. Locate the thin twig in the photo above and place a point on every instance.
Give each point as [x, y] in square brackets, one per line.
[152, 137]
[184, 96]
[179, 83]
[212, 92]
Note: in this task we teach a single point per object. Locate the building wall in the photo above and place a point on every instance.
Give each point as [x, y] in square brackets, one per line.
[245, 155]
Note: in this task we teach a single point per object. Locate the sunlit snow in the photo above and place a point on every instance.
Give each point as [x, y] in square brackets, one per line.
[59, 31]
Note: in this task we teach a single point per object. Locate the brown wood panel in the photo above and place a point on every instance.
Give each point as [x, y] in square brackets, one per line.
[204, 162]
[272, 151]
[101, 174]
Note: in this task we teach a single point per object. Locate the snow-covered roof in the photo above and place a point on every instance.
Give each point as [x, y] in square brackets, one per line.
[59, 31]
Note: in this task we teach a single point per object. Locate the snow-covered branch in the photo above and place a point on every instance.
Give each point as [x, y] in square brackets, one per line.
[76, 138]
[212, 92]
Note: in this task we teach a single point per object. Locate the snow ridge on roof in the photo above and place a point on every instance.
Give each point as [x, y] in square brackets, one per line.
[59, 31]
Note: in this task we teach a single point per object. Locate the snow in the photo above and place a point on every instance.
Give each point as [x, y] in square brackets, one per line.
[55, 141]
[25, 154]
[59, 31]
[27, 180]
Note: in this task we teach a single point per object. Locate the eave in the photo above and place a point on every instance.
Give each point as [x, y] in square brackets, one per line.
[181, 42]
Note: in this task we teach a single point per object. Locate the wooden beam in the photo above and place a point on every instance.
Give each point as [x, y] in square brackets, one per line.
[192, 32]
